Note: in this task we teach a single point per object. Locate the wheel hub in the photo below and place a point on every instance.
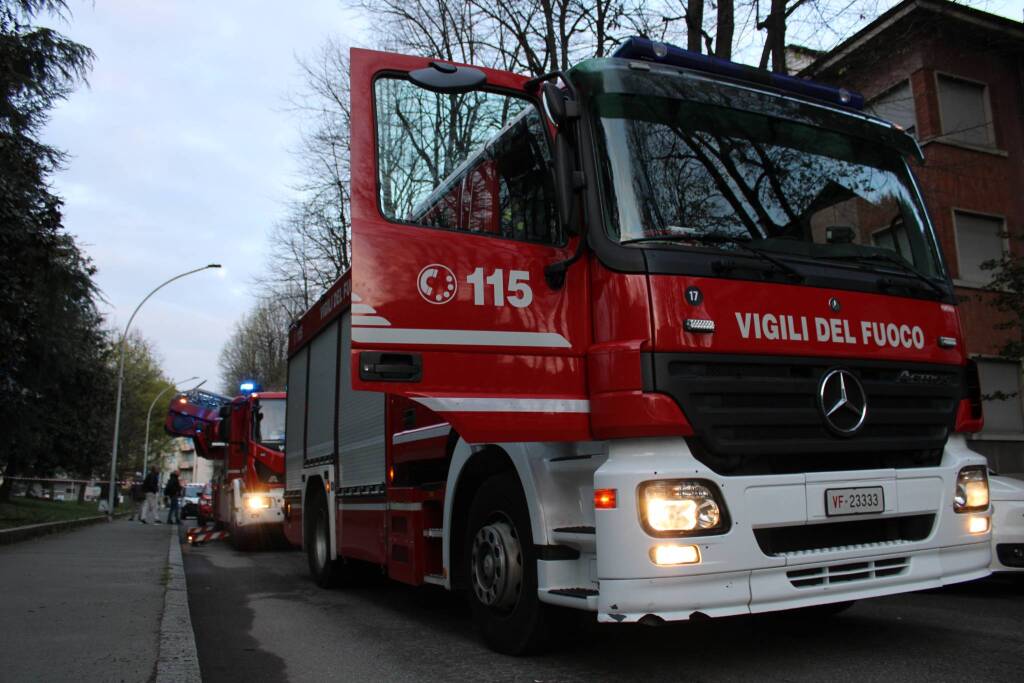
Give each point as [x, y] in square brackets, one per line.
[497, 565]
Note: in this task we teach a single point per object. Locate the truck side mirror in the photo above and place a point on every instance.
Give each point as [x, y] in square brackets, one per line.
[562, 112]
[558, 106]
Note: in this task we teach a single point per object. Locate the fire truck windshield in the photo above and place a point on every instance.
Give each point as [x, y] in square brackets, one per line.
[269, 427]
[706, 174]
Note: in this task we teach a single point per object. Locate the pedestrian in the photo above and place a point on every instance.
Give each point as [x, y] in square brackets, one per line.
[173, 492]
[137, 496]
[151, 487]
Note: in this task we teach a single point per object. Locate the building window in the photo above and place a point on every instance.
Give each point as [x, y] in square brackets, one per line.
[894, 238]
[897, 105]
[978, 239]
[964, 108]
[1000, 389]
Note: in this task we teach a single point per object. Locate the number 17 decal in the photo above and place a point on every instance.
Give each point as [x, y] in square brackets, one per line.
[517, 293]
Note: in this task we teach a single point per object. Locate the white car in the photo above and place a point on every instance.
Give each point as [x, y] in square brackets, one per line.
[1007, 523]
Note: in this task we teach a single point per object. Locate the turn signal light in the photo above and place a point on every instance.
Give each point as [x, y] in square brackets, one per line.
[605, 499]
[978, 525]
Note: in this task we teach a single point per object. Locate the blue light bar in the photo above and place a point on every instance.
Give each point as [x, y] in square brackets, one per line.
[663, 53]
[247, 387]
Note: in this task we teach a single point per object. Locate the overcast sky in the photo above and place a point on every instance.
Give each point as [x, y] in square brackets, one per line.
[180, 154]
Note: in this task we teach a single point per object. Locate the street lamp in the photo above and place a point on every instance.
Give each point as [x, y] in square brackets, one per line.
[149, 416]
[120, 383]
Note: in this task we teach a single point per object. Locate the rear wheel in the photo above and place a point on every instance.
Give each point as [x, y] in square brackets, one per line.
[325, 569]
[502, 569]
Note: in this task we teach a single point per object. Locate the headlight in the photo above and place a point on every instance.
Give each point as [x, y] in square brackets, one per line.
[680, 507]
[257, 502]
[971, 490]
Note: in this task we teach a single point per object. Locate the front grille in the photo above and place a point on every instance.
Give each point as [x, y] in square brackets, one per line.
[760, 415]
[848, 572]
[786, 540]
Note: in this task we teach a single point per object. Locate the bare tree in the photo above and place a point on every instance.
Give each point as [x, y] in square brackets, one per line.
[258, 348]
[310, 245]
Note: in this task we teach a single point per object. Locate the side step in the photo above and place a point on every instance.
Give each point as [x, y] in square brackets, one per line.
[581, 593]
[583, 538]
[435, 579]
[575, 598]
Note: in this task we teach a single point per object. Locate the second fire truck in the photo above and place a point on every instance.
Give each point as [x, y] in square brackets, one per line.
[244, 437]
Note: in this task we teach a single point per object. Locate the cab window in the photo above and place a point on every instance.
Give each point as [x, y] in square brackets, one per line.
[476, 162]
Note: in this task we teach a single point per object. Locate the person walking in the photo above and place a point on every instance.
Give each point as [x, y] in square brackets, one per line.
[173, 493]
[137, 497]
[150, 487]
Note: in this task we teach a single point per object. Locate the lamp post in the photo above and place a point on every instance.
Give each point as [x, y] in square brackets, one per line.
[149, 416]
[120, 383]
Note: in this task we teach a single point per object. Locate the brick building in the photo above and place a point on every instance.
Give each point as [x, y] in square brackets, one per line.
[954, 77]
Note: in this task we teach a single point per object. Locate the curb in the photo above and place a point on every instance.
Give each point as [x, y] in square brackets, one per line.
[178, 661]
[24, 533]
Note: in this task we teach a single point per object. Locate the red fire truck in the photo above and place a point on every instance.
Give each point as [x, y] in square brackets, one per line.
[244, 437]
[658, 338]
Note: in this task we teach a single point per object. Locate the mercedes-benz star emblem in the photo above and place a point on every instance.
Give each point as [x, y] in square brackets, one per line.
[842, 401]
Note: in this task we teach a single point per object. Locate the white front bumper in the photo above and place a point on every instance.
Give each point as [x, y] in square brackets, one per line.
[1007, 528]
[246, 516]
[736, 577]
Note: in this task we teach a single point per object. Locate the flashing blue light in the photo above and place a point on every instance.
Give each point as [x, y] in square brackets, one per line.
[247, 387]
[663, 53]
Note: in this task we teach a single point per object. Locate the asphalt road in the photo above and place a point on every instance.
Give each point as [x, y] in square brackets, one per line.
[258, 616]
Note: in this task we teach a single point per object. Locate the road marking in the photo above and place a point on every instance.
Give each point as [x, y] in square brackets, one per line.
[178, 661]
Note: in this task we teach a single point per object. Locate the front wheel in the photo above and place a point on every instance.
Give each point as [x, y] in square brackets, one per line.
[502, 569]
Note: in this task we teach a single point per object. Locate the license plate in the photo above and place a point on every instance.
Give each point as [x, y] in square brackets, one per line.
[857, 501]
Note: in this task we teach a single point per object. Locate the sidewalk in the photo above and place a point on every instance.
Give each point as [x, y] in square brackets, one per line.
[85, 605]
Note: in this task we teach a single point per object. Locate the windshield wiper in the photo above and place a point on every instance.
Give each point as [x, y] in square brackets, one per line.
[741, 244]
[896, 261]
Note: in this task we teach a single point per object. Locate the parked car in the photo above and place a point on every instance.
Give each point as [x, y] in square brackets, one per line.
[1007, 524]
[190, 500]
[205, 505]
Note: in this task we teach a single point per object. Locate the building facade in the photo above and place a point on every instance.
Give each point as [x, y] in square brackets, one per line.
[181, 457]
[953, 77]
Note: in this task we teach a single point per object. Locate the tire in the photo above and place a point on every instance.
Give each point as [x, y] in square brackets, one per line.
[325, 570]
[501, 570]
[240, 536]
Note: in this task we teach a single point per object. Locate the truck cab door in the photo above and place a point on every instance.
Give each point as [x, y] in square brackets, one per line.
[454, 220]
